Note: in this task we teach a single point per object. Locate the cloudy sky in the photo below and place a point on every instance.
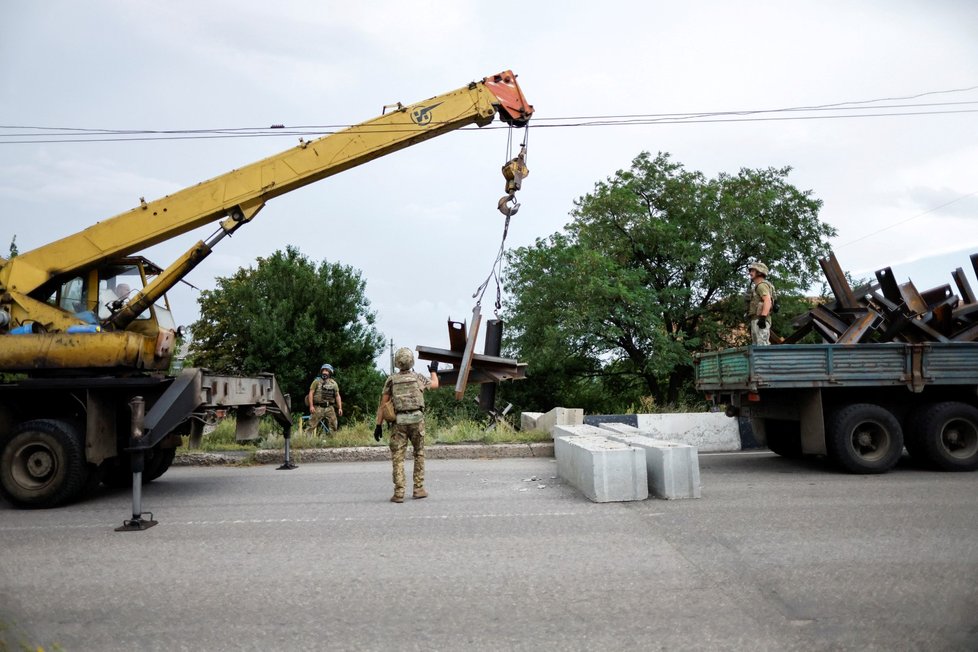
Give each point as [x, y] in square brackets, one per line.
[897, 176]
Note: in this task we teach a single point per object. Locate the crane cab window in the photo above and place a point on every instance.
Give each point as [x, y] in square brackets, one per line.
[70, 295]
[116, 288]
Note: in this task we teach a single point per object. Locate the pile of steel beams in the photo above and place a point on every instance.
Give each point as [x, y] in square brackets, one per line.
[887, 311]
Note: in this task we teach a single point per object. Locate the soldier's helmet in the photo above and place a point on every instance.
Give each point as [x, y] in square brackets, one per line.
[327, 367]
[760, 268]
[404, 359]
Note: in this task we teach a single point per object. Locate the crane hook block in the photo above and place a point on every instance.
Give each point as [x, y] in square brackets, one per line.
[515, 171]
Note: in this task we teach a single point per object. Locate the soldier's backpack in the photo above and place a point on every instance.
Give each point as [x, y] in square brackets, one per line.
[405, 393]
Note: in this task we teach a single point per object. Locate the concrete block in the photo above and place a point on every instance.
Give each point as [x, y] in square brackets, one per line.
[707, 431]
[528, 420]
[602, 469]
[560, 417]
[673, 469]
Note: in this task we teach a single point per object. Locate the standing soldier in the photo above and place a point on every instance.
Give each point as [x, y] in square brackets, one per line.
[760, 304]
[406, 390]
[325, 401]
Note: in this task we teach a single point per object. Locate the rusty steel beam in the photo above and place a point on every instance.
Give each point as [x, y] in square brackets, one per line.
[465, 366]
[829, 319]
[942, 316]
[911, 297]
[490, 362]
[929, 332]
[969, 334]
[967, 313]
[456, 335]
[891, 289]
[860, 328]
[837, 282]
[483, 376]
[967, 294]
[493, 346]
[938, 295]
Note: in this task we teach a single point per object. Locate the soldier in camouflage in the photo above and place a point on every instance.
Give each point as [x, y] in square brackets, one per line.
[760, 303]
[324, 400]
[405, 390]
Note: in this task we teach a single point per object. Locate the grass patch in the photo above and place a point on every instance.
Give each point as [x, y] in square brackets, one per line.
[361, 433]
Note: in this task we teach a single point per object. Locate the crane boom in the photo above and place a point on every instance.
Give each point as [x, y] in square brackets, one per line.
[241, 193]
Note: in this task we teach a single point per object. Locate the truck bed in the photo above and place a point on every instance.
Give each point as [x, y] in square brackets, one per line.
[834, 365]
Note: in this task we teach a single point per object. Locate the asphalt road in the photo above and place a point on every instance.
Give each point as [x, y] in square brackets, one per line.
[776, 555]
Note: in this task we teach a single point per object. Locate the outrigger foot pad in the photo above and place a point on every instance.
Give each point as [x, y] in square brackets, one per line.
[137, 523]
[288, 466]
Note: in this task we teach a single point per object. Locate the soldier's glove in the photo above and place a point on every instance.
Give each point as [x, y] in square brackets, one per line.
[433, 367]
[378, 432]
[762, 322]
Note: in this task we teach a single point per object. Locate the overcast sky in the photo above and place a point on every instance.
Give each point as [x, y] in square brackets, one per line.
[901, 190]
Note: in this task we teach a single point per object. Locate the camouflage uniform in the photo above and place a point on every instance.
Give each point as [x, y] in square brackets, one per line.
[324, 397]
[405, 389]
[759, 336]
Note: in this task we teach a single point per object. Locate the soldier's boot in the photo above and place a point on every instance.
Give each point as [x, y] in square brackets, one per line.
[420, 493]
[397, 498]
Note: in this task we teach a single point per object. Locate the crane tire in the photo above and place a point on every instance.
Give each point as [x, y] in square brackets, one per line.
[42, 464]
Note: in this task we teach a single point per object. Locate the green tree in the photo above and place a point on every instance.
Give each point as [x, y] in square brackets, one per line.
[13, 248]
[288, 316]
[651, 269]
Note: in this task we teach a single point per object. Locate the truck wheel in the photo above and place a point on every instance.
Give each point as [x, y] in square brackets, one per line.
[42, 464]
[784, 437]
[157, 463]
[158, 460]
[945, 436]
[864, 438]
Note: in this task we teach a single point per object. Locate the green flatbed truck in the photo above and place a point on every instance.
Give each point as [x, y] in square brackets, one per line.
[858, 404]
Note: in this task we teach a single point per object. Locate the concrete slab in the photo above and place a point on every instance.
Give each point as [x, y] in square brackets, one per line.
[560, 416]
[602, 469]
[707, 431]
[528, 420]
[673, 469]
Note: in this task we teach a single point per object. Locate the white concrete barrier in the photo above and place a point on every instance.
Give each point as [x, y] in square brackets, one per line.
[707, 431]
[673, 469]
[528, 420]
[560, 417]
[602, 469]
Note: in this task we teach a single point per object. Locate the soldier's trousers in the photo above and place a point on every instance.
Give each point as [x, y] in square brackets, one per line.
[760, 336]
[323, 413]
[403, 433]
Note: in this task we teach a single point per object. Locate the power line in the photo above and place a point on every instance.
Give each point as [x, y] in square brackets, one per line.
[905, 220]
[853, 109]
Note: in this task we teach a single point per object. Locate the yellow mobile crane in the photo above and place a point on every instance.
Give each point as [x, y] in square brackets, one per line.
[86, 319]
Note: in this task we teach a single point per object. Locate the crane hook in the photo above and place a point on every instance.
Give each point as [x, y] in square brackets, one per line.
[506, 210]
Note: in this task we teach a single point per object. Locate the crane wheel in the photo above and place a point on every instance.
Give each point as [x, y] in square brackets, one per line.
[42, 464]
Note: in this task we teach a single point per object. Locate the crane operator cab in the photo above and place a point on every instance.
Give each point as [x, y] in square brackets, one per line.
[135, 326]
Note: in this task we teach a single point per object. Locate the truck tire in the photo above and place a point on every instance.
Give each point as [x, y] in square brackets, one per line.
[784, 437]
[42, 464]
[945, 436]
[158, 463]
[158, 460]
[864, 438]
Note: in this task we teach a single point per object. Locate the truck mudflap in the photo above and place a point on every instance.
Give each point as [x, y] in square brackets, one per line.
[195, 392]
